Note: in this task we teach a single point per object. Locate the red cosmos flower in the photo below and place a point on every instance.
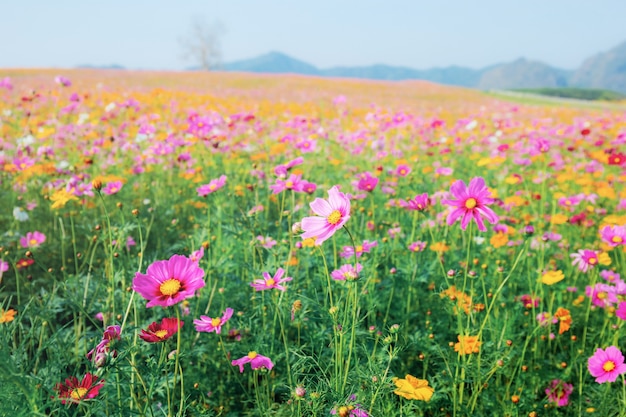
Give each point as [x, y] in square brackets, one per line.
[617, 158]
[159, 332]
[24, 263]
[75, 392]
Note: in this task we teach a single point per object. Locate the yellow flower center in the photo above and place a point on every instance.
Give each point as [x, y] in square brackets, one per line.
[33, 242]
[212, 187]
[216, 322]
[359, 248]
[608, 366]
[470, 203]
[334, 217]
[270, 282]
[78, 393]
[252, 355]
[602, 295]
[170, 287]
[617, 239]
[593, 261]
[289, 184]
[160, 333]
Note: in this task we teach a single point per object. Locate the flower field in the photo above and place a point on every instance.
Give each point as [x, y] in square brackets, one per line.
[188, 244]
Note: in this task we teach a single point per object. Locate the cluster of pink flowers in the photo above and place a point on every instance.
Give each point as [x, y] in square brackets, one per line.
[103, 350]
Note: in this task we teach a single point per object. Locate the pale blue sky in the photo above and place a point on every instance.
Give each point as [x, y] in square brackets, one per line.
[144, 34]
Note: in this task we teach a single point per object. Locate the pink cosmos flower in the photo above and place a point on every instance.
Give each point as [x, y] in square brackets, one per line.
[197, 255]
[255, 360]
[208, 324]
[621, 310]
[613, 235]
[294, 182]
[348, 251]
[266, 241]
[112, 188]
[471, 203]
[308, 187]
[558, 392]
[168, 282]
[282, 170]
[584, 259]
[333, 214]
[602, 295]
[403, 170]
[606, 365]
[6, 83]
[268, 282]
[102, 349]
[212, 186]
[346, 273]
[32, 240]
[418, 246]
[420, 203]
[367, 182]
[61, 80]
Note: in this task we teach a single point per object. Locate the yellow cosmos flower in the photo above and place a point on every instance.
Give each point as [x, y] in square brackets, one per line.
[552, 277]
[413, 388]
[7, 316]
[604, 259]
[60, 198]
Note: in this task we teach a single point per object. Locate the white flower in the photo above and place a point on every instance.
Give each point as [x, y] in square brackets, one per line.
[19, 214]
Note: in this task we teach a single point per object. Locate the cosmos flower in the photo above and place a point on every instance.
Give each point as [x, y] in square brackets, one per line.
[346, 272]
[471, 203]
[74, 392]
[333, 214]
[168, 282]
[467, 345]
[208, 324]
[349, 251]
[112, 187]
[606, 365]
[585, 259]
[552, 277]
[558, 392]
[212, 186]
[159, 332]
[613, 235]
[367, 182]
[255, 360]
[419, 203]
[32, 240]
[294, 182]
[7, 316]
[413, 388]
[268, 282]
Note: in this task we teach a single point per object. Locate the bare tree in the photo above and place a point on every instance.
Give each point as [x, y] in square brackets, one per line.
[202, 45]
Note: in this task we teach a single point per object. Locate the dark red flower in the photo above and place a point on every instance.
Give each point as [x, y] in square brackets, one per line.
[158, 332]
[75, 392]
[24, 263]
[617, 158]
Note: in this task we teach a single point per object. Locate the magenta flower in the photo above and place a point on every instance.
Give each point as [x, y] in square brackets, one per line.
[558, 392]
[333, 214]
[61, 80]
[268, 282]
[169, 282]
[100, 352]
[266, 241]
[294, 182]
[602, 295]
[471, 203]
[584, 259]
[212, 186]
[367, 182]
[32, 240]
[349, 251]
[281, 170]
[621, 310]
[613, 235]
[346, 273]
[6, 83]
[197, 255]
[255, 360]
[112, 188]
[606, 365]
[208, 324]
[403, 170]
[418, 246]
[420, 203]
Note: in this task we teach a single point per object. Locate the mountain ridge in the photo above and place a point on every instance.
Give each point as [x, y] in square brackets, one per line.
[606, 70]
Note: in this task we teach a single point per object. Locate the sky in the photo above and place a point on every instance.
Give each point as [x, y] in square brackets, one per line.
[147, 34]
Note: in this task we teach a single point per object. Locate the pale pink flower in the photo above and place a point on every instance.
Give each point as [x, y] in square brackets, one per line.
[333, 214]
[268, 282]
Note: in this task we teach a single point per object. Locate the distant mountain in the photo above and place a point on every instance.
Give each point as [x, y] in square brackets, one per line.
[522, 74]
[273, 63]
[605, 71]
[112, 66]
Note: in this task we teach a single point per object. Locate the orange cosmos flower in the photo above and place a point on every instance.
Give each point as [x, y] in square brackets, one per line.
[467, 345]
[413, 388]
